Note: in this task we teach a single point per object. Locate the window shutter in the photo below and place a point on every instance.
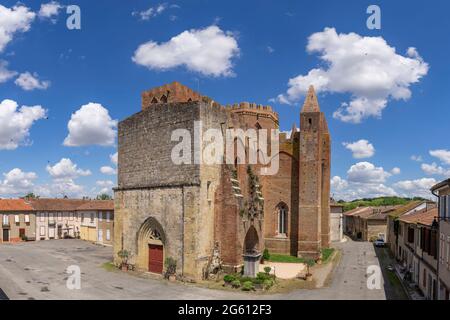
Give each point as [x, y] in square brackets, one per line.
[433, 247]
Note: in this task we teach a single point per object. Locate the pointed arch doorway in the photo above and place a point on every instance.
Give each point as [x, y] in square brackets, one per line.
[151, 242]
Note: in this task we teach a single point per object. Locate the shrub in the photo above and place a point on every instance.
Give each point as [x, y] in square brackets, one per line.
[171, 266]
[267, 284]
[229, 278]
[236, 284]
[246, 279]
[266, 254]
[247, 286]
[263, 276]
[267, 270]
[124, 255]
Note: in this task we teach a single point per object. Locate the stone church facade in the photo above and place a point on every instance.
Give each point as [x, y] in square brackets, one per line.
[203, 215]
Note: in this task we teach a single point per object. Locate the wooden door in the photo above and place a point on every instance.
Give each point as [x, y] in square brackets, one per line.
[5, 235]
[155, 258]
[51, 232]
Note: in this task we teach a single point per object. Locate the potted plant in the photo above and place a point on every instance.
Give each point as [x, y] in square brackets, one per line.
[171, 269]
[124, 255]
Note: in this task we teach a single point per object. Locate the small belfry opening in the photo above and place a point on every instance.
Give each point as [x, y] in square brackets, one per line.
[151, 241]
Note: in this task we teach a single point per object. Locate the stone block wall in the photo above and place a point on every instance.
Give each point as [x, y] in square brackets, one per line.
[145, 147]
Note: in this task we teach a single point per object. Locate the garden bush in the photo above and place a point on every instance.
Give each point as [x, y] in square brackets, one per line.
[235, 284]
[266, 254]
[263, 276]
[229, 278]
[248, 286]
[268, 284]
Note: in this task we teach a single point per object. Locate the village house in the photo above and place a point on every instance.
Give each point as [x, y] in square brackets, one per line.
[418, 249]
[18, 221]
[193, 212]
[336, 222]
[442, 191]
[97, 221]
[392, 223]
[57, 218]
[367, 223]
[47, 219]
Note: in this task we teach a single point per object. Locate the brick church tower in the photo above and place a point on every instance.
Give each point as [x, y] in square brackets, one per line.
[314, 179]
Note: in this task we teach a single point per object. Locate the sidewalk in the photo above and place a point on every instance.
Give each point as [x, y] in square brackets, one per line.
[409, 286]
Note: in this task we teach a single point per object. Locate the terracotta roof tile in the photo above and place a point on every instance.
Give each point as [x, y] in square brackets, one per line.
[425, 217]
[97, 205]
[14, 205]
[56, 204]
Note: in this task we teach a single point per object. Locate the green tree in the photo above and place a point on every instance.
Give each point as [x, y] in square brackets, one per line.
[30, 195]
[104, 196]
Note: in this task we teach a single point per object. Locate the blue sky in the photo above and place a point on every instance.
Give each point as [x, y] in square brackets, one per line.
[265, 43]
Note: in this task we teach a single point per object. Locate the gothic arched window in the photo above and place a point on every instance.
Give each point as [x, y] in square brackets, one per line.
[282, 211]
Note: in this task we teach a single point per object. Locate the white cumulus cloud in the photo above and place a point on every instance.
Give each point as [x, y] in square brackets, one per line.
[17, 183]
[66, 169]
[50, 10]
[28, 82]
[366, 67]
[14, 20]
[114, 158]
[442, 154]
[366, 172]
[91, 125]
[5, 73]
[419, 187]
[338, 184]
[434, 169]
[15, 124]
[108, 170]
[208, 51]
[360, 149]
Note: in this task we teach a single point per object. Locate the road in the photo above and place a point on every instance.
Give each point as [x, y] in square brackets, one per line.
[37, 270]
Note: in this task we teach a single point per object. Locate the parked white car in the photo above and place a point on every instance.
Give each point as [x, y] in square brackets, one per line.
[379, 243]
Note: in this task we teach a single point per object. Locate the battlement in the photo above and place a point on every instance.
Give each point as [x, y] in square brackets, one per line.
[254, 109]
[174, 92]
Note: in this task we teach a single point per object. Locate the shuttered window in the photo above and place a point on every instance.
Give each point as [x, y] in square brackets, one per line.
[410, 235]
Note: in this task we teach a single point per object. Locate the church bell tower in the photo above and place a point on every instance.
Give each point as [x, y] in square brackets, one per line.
[314, 179]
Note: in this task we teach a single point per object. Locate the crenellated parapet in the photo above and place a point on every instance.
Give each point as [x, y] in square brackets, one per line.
[259, 110]
[173, 92]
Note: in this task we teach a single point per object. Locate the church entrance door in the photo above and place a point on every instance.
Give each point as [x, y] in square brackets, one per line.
[155, 258]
